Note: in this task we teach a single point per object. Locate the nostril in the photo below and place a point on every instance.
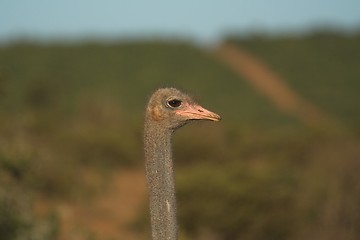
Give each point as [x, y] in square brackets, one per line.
[200, 110]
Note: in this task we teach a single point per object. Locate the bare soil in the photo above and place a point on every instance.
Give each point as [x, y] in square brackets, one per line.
[108, 215]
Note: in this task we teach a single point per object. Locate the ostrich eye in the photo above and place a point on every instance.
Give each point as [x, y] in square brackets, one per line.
[174, 103]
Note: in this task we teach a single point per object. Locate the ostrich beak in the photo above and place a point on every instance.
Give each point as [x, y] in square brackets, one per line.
[197, 112]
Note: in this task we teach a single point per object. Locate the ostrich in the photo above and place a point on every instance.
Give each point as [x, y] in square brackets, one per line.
[168, 109]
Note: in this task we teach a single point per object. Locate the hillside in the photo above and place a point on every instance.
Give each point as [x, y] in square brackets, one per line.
[322, 67]
[71, 134]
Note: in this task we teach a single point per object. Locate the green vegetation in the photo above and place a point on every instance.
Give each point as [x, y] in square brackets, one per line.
[322, 67]
[259, 174]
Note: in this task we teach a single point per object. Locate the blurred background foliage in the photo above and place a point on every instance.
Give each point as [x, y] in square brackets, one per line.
[67, 109]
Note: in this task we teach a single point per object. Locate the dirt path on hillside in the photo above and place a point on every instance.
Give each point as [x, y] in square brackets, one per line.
[271, 85]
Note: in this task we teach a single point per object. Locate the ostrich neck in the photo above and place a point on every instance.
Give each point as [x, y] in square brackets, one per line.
[160, 179]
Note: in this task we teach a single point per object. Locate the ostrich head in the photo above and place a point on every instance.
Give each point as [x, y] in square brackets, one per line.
[172, 109]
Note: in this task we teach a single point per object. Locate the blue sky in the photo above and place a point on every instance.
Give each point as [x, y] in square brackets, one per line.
[202, 20]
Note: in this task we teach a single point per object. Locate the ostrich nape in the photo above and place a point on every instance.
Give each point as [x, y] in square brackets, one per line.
[168, 109]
